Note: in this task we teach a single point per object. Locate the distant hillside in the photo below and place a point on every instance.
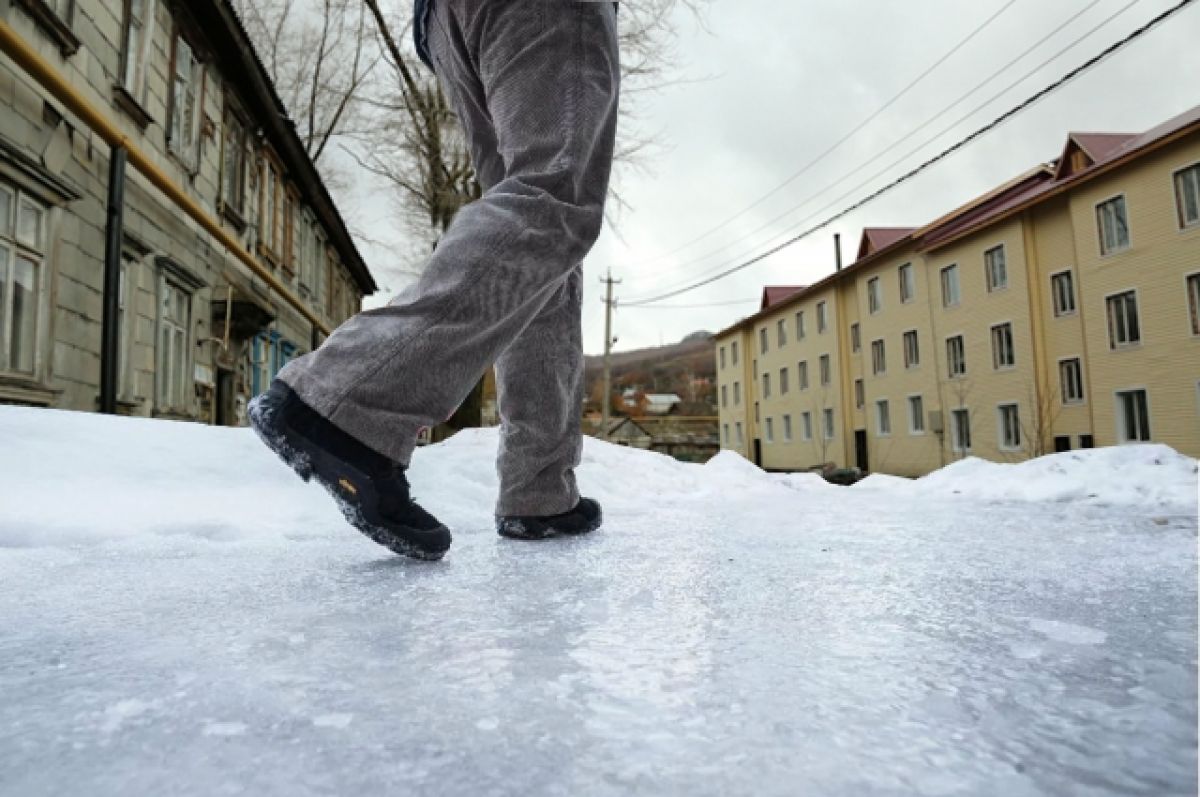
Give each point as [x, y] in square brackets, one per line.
[681, 368]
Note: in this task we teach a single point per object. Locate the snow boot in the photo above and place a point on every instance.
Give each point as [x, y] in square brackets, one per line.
[585, 517]
[370, 489]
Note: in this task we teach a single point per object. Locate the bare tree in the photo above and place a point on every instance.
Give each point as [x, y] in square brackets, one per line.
[1038, 427]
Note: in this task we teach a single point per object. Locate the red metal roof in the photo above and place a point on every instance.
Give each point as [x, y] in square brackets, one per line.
[774, 294]
[876, 238]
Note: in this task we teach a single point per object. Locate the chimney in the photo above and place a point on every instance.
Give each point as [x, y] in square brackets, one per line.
[837, 249]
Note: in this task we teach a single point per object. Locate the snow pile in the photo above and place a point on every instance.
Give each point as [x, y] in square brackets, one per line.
[1146, 477]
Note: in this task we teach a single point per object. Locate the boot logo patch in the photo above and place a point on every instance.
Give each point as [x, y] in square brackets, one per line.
[348, 487]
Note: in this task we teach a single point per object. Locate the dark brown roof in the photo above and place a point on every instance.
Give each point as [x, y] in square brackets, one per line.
[774, 294]
[876, 238]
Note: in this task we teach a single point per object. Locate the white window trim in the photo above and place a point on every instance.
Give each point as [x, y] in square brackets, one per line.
[879, 417]
[942, 286]
[802, 385]
[822, 323]
[45, 254]
[1074, 295]
[912, 430]
[769, 428]
[987, 272]
[825, 430]
[825, 375]
[1062, 398]
[900, 282]
[807, 427]
[883, 349]
[878, 308]
[860, 384]
[140, 90]
[786, 419]
[1100, 231]
[904, 349]
[1000, 441]
[954, 442]
[1012, 329]
[1183, 228]
[1119, 415]
[1187, 307]
[946, 351]
[1113, 346]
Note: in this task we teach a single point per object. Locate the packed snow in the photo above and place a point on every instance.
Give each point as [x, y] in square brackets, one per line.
[180, 615]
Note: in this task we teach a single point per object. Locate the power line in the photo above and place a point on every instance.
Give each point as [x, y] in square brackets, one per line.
[910, 134]
[1062, 81]
[837, 144]
[622, 306]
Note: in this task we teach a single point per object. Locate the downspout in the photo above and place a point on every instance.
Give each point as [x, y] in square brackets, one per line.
[110, 333]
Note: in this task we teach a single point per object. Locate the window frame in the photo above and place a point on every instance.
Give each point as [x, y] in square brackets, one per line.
[913, 363]
[874, 296]
[822, 318]
[825, 369]
[787, 427]
[781, 332]
[801, 325]
[807, 426]
[828, 423]
[956, 442]
[997, 365]
[988, 268]
[763, 340]
[1122, 432]
[879, 357]
[36, 252]
[766, 383]
[908, 292]
[1062, 392]
[913, 429]
[722, 357]
[1184, 224]
[784, 382]
[769, 427]
[1069, 273]
[733, 353]
[855, 338]
[860, 394]
[137, 88]
[724, 395]
[802, 383]
[883, 412]
[1113, 345]
[944, 273]
[162, 397]
[962, 339]
[1104, 252]
[189, 159]
[1191, 285]
[1003, 442]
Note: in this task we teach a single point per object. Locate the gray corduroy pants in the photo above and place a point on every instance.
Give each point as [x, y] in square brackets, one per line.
[535, 84]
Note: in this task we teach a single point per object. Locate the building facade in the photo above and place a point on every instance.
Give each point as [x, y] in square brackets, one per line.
[198, 332]
[1059, 311]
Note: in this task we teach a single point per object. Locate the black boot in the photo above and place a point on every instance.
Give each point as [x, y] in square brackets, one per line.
[585, 517]
[371, 490]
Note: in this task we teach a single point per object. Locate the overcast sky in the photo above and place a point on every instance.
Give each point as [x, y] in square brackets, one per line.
[778, 83]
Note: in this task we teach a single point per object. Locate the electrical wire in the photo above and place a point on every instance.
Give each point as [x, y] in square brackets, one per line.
[960, 144]
[940, 114]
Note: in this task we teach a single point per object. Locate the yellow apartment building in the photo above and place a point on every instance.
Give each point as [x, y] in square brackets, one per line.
[1060, 310]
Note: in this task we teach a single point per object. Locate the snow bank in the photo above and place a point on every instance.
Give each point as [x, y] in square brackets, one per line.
[1146, 477]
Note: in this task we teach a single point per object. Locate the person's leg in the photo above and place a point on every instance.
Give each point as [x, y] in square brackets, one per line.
[539, 384]
[544, 73]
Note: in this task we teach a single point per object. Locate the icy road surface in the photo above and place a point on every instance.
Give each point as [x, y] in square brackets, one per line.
[180, 616]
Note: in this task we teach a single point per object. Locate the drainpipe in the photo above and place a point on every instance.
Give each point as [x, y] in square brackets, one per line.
[110, 334]
[837, 249]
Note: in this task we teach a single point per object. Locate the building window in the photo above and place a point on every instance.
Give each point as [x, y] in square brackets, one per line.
[233, 164]
[741, 437]
[762, 341]
[825, 376]
[806, 425]
[1062, 285]
[883, 418]
[908, 284]
[1187, 195]
[766, 379]
[828, 415]
[960, 430]
[770, 430]
[22, 261]
[800, 330]
[802, 375]
[724, 395]
[912, 349]
[1113, 222]
[783, 381]
[916, 415]
[782, 330]
[878, 357]
[996, 269]
[1010, 427]
[859, 394]
[187, 88]
[1070, 373]
[174, 346]
[756, 418]
[956, 357]
[733, 353]
[725, 434]
[737, 393]
[855, 338]
[1133, 416]
[822, 318]
[874, 295]
[1193, 293]
[950, 291]
[139, 31]
[1003, 353]
[269, 217]
[787, 428]
[722, 357]
[1123, 327]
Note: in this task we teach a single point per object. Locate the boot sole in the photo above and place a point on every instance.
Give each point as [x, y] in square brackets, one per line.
[515, 530]
[309, 463]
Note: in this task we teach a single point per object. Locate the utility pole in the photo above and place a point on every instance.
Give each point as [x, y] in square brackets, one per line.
[606, 403]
